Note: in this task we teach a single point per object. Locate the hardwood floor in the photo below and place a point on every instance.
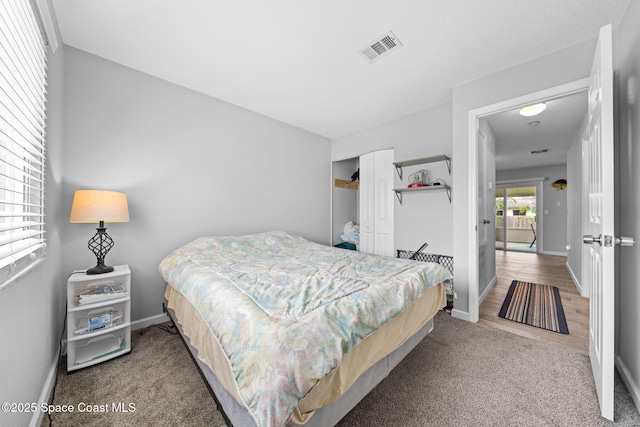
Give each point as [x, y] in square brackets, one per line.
[545, 270]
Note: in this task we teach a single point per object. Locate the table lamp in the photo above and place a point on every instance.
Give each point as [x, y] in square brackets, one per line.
[99, 206]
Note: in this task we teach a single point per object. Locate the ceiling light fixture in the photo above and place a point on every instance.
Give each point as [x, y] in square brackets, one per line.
[533, 110]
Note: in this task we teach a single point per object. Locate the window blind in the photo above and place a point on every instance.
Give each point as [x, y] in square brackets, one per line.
[22, 137]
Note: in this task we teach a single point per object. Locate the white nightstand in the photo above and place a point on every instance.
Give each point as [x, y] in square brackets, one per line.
[98, 317]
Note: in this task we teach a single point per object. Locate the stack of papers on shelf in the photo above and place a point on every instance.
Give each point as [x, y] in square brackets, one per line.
[88, 323]
[101, 293]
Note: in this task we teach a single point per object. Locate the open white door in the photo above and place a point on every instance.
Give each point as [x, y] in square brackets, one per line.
[600, 256]
[486, 216]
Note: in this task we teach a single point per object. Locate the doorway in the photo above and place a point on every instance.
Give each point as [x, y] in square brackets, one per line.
[475, 116]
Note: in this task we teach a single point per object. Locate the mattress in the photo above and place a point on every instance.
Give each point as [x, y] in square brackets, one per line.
[330, 388]
[283, 322]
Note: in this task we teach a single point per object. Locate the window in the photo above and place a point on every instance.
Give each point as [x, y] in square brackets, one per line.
[22, 138]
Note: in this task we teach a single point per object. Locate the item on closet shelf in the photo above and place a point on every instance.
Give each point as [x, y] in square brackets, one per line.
[351, 238]
[356, 175]
[351, 228]
[419, 179]
[347, 245]
[351, 233]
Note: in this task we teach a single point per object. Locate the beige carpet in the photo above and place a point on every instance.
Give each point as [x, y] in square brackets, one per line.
[462, 374]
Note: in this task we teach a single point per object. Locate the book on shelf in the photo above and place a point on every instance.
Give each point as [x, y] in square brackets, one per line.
[100, 293]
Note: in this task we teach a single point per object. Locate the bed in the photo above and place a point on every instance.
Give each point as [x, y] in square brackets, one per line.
[288, 332]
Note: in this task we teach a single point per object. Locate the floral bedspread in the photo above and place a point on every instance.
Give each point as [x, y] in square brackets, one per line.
[285, 310]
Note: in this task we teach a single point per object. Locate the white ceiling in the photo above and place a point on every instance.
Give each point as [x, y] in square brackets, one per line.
[558, 127]
[297, 61]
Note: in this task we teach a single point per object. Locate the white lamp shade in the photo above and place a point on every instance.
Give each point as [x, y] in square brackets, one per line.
[99, 205]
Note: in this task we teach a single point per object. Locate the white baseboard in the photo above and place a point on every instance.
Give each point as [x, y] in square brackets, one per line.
[554, 253]
[36, 419]
[629, 382]
[487, 290]
[153, 320]
[459, 314]
[575, 279]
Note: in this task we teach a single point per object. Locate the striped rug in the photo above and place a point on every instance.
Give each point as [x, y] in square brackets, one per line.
[535, 305]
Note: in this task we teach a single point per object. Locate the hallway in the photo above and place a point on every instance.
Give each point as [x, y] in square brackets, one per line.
[545, 270]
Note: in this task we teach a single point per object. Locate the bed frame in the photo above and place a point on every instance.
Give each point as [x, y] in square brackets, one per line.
[236, 415]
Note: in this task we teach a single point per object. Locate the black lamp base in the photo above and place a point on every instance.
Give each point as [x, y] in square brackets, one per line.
[100, 269]
[100, 244]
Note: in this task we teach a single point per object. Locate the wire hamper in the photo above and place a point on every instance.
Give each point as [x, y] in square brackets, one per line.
[445, 260]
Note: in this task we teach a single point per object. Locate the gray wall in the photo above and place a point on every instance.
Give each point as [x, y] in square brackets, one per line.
[551, 70]
[32, 308]
[554, 229]
[423, 217]
[191, 166]
[628, 291]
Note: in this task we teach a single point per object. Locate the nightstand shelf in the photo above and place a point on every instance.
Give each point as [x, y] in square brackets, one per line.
[98, 317]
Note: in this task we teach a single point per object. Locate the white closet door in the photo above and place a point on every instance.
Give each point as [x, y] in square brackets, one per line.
[377, 203]
[384, 224]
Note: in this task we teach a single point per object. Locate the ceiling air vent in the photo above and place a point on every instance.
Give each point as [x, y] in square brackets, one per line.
[381, 46]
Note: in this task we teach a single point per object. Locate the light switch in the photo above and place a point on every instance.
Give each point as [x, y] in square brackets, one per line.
[557, 203]
[546, 212]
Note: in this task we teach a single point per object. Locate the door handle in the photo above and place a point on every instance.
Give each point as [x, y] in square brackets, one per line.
[486, 221]
[624, 241]
[608, 240]
[589, 239]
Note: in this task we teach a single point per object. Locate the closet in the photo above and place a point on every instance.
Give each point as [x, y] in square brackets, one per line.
[370, 203]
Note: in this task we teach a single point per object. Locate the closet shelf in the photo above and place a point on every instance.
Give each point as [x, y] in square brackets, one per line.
[352, 185]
